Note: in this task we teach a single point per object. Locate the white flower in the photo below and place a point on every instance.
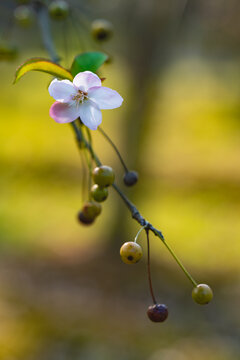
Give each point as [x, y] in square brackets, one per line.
[85, 97]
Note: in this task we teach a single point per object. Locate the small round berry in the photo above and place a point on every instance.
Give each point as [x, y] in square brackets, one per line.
[99, 193]
[24, 15]
[102, 29]
[103, 175]
[202, 294]
[91, 209]
[58, 9]
[130, 252]
[83, 220]
[157, 312]
[130, 178]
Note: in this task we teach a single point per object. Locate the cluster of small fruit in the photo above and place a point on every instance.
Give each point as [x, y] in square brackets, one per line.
[103, 176]
[131, 253]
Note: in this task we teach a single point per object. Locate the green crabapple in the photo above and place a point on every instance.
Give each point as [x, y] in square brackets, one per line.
[202, 294]
[99, 193]
[103, 176]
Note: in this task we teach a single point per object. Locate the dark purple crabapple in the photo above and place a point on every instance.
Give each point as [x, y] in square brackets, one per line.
[157, 312]
[83, 220]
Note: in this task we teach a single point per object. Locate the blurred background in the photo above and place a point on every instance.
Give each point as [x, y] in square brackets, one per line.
[64, 292]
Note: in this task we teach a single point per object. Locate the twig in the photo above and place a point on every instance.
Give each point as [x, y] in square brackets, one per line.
[114, 147]
[43, 21]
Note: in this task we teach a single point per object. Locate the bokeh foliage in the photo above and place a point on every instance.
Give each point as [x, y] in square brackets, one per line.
[64, 294]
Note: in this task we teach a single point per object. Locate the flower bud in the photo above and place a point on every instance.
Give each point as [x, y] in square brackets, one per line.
[24, 15]
[102, 29]
[58, 9]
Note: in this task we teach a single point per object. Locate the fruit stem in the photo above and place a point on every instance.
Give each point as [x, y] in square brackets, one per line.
[114, 147]
[148, 267]
[81, 139]
[89, 135]
[136, 237]
[83, 175]
[89, 164]
[180, 263]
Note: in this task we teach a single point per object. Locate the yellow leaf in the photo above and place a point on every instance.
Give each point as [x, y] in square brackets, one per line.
[44, 65]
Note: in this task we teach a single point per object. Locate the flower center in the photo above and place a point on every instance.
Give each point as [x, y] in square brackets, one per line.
[80, 97]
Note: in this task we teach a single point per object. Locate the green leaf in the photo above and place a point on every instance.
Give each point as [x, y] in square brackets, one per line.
[90, 61]
[44, 65]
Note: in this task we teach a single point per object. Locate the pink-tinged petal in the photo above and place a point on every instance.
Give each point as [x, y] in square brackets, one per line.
[62, 90]
[90, 114]
[85, 80]
[63, 113]
[105, 98]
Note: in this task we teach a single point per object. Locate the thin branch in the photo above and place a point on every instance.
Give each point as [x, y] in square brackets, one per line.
[114, 147]
[149, 268]
[134, 211]
[44, 25]
[180, 264]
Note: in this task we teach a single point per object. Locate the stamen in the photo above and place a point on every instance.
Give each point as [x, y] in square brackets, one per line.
[80, 97]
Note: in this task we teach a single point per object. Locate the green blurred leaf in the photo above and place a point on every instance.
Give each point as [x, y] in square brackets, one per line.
[90, 61]
[44, 65]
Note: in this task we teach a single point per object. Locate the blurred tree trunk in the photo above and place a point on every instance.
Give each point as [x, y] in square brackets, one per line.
[149, 27]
